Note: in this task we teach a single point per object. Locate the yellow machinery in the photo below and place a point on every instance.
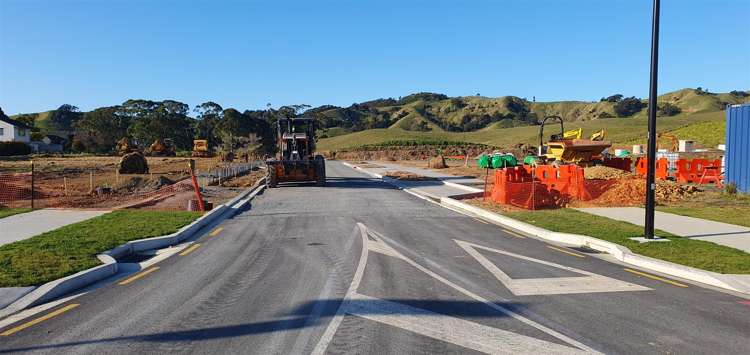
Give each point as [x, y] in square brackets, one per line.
[162, 148]
[563, 150]
[673, 142]
[200, 149]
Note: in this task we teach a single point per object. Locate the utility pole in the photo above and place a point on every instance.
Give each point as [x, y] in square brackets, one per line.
[652, 104]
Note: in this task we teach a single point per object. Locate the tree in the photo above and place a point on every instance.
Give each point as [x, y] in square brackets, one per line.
[99, 130]
[613, 98]
[628, 106]
[209, 116]
[152, 120]
[64, 118]
[667, 109]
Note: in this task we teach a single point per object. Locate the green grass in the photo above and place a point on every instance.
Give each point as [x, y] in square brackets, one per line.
[735, 215]
[708, 134]
[5, 212]
[695, 253]
[73, 248]
[619, 131]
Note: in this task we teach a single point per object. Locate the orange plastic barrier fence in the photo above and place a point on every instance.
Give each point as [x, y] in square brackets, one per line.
[698, 171]
[662, 167]
[540, 186]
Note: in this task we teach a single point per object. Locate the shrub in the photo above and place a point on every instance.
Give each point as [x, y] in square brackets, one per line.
[629, 106]
[14, 148]
[613, 98]
[739, 93]
[667, 109]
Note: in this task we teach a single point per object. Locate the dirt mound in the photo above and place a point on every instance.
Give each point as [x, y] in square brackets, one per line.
[407, 176]
[632, 192]
[604, 173]
[133, 163]
[437, 162]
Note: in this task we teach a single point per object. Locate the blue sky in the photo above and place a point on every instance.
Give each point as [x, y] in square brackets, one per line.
[245, 54]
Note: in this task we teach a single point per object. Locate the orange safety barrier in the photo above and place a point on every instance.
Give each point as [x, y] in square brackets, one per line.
[662, 168]
[541, 186]
[698, 171]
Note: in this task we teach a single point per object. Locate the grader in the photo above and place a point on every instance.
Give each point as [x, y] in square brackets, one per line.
[296, 160]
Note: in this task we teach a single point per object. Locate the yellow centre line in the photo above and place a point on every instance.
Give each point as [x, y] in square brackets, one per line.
[479, 220]
[190, 249]
[655, 277]
[40, 319]
[566, 252]
[138, 276]
[216, 231]
[514, 234]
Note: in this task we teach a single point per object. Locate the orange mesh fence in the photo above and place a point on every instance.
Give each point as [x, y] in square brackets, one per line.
[15, 190]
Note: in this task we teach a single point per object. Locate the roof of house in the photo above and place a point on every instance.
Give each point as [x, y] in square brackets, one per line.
[14, 122]
[53, 139]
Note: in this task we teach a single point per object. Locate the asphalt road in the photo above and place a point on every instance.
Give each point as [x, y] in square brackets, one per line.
[360, 267]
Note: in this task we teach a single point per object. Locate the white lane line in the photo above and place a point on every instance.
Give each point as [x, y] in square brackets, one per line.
[590, 283]
[327, 336]
[453, 330]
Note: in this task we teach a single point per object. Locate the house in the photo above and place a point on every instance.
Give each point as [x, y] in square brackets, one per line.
[49, 144]
[14, 131]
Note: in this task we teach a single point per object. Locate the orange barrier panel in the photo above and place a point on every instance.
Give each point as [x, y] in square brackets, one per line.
[691, 171]
[662, 168]
[540, 186]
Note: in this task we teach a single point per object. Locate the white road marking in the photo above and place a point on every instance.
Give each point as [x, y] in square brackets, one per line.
[378, 245]
[327, 336]
[449, 329]
[590, 283]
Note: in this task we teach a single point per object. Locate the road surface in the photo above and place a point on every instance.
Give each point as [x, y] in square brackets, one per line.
[359, 267]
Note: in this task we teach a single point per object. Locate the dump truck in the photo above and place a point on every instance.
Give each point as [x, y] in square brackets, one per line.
[296, 160]
[560, 149]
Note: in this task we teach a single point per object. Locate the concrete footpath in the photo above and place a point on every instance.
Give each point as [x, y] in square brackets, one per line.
[26, 225]
[730, 235]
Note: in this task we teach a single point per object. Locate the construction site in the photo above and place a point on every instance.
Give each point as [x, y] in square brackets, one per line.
[567, 169]
[153, 178]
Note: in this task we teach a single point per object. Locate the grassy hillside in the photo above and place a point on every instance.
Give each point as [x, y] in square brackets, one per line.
[619, 131]
[426, 112]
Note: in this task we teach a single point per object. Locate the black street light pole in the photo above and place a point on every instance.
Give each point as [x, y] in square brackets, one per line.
[652, 104]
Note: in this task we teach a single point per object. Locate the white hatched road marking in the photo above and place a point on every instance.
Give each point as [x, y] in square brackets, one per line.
[590, 283]
[437, 326]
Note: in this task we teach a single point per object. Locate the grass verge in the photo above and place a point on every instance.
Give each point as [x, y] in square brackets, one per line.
[5, 212]
[694, 253]
[73, 248]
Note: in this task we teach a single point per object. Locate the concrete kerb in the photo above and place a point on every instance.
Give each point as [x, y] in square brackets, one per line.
[619, 252]
[54, 289]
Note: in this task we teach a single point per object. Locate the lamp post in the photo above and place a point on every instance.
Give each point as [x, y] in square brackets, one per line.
[652, 105]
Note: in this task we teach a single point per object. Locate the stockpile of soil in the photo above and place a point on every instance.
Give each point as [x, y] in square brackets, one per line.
[632, 192]
[407, 176]
[437, 162]
[604, 173]
[133, 163]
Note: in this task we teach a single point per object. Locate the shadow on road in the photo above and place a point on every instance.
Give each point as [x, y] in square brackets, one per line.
[306, 315]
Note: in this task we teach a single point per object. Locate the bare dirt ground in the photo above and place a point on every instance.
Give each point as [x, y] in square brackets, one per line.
[73, 181]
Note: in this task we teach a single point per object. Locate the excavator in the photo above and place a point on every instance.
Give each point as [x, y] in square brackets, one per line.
[296, 160]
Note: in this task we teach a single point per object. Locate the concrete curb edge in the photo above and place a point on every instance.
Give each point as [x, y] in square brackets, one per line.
[54, 289]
